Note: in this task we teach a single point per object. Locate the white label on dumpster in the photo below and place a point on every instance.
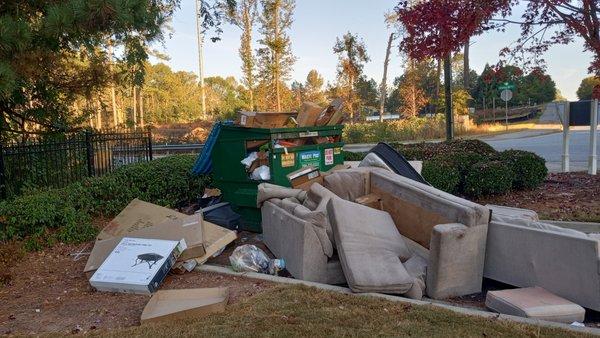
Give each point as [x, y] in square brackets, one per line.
[308, 134]
[329, 156]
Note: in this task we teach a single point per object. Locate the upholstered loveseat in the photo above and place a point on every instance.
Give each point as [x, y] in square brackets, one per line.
[447, 232]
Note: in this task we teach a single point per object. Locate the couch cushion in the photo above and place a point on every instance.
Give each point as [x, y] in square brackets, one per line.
[267, 191]
[536, 303]
[348, 184]
[319, 222]
[370, 248]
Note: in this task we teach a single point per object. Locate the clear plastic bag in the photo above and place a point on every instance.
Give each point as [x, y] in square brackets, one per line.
[249, 258]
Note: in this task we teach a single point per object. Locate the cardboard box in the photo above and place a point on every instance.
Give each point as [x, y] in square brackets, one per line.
[370, 200]
[332, 115]
[309, 114]
[303, 178]
[137, 265]
[187, 227]
[266, 120]
[168, 305]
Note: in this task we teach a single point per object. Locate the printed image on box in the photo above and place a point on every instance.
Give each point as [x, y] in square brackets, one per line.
[137, 265]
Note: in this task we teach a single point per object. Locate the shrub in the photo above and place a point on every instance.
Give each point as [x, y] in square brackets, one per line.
[50, 215]
[442, 175]
[351, 156]
[530, 169]
[429, 150]
[488, 178]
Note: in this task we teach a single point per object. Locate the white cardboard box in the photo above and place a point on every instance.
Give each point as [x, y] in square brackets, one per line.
[137, 265]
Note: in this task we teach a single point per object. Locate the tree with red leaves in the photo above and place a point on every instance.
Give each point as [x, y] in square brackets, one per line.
[439, 27]
[436, 28]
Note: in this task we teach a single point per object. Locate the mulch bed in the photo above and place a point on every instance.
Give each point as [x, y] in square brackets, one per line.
[562, 197]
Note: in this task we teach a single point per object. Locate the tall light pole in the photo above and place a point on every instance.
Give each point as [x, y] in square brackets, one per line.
[200, 36]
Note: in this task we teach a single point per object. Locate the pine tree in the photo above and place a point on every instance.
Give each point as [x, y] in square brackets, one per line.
[275, 56]
[352, 55]
[244, 15]
[313, 88]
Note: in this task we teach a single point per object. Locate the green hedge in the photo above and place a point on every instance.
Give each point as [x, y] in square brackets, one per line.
[44, 217]
[530, 169]
[442, 175]
[488, 178]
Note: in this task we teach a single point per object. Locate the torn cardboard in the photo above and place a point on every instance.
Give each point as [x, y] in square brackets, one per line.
[137, 265]
[303, 178]
[370, 200]
[308, 114]
[168, 305]
[187, 227]
[140, 218]
[215, 239]
[138, 215]
[264, 119]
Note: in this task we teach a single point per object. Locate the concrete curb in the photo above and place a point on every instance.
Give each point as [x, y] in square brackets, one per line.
[457, 309]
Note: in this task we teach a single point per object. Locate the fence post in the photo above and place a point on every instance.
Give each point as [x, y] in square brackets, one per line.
[2, 174]
[150, 144]
[89, 147]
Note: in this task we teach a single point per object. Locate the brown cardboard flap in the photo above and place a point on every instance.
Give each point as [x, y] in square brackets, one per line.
[215, 238]
[184, 303]
[138, 215]
[309, 114]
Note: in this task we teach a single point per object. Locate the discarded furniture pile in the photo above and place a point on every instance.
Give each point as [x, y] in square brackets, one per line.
[377, 230]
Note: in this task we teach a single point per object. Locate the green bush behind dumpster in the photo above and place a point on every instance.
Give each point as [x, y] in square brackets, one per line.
[46, 216]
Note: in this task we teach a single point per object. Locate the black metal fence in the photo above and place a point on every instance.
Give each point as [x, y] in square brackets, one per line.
[58, 162]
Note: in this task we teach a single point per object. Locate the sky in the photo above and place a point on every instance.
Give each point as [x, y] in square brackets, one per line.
[316, 25]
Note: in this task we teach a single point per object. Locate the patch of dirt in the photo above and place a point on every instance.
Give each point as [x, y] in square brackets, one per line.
[49, 292]
[562, 197]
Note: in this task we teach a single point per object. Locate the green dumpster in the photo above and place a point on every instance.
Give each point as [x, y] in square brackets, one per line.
[230, 176]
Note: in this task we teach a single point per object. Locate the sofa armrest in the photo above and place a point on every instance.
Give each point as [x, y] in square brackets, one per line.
[294, 240]
[456, 258]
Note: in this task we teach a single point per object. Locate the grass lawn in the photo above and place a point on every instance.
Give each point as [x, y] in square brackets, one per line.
[304, 311]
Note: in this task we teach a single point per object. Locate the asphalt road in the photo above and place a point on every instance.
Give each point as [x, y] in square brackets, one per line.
[549, 146]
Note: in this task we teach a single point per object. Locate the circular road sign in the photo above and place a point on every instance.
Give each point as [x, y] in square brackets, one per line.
[506, 95]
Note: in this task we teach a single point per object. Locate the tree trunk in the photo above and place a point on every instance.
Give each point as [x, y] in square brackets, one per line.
[276, 70]
[384, 80]
[436, 94]
[113, 95]
[141, 109]
[448, 97]
[351, 98]
[466, 71]
[134, 107]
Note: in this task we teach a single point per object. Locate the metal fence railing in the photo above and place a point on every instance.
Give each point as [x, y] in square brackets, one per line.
[58, 162]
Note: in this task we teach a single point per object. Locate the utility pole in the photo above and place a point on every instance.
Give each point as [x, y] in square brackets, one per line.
[200, 36]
